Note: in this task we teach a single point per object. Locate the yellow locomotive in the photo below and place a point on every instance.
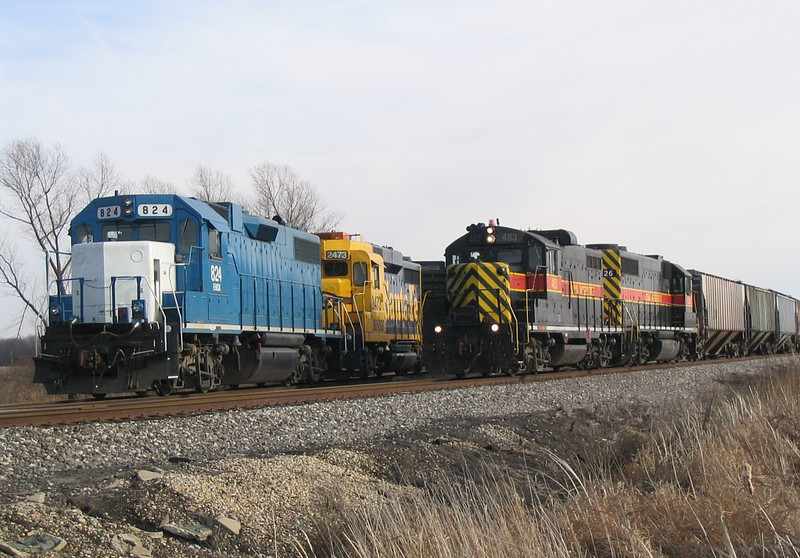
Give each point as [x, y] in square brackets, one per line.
[377, 292]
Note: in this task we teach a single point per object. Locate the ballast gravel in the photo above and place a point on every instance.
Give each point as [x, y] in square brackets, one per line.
[264, 469]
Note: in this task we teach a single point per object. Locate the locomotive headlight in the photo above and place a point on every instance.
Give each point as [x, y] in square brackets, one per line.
[495, 328]
[136, 306]
[128, 202]
[489, 230]
[437, 329]
[55, 310]
[490, 239]
[128, 211]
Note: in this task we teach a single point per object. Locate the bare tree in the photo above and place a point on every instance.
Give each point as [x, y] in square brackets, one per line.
[210, 185]
[39, 195]
[279, 191]
[101, 179]
[152, 185]
[41, 200]
[14, 277]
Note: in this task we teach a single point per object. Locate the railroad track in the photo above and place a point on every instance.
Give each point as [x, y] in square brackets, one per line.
[132, 407]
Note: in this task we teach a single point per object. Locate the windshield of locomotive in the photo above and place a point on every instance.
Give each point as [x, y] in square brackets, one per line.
[110, 232]
[518, 258]
[513, 256]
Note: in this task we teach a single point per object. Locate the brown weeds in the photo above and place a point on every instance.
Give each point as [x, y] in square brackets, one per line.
[715, 480]
[16, 386]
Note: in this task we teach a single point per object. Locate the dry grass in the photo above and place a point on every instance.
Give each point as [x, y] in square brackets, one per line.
[17, 386]
[717, 481]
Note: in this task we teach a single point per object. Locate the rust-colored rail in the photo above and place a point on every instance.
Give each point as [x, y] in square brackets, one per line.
[131, 407]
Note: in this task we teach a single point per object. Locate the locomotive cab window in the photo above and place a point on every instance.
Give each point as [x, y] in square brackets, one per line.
[376, 276]
[552, 262]
[83, 234]
[534, 258]
[187, 235]
[158, 231]
[214, 244]
[117, 232]
[359, 274]
[511, 256]
[334, 269]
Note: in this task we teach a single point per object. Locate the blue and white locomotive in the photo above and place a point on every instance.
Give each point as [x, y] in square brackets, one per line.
[169, 292]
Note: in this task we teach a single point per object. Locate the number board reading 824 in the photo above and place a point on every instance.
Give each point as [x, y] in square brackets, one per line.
[154, 210]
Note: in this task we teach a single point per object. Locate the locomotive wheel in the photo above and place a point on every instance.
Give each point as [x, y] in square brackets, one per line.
[162, 387]
[605, 356]
[204, 380]
[207, 379]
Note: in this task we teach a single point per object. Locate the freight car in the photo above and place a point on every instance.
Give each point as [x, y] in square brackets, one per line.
[509, 300]
[736, 319]
[170, 293]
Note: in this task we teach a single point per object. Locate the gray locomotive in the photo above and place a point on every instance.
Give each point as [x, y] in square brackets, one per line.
[508, 300]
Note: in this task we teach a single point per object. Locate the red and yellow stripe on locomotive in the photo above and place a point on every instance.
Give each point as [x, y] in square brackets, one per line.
[527, 300]
[379, 294]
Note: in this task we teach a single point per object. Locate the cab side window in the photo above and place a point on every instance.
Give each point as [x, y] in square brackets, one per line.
[214, 244]
[376, 276]
[83, 234]
[359, 274]
[187, 235]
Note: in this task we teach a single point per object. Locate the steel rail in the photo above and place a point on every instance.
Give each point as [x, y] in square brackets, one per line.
[182, 404]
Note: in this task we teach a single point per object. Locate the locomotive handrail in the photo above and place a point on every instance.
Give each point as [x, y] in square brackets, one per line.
[328, 299]
[175, 298]
[60, 296]
[358, 314]
[139, 280]
[421, 313]
[58, 280]
[528, 314]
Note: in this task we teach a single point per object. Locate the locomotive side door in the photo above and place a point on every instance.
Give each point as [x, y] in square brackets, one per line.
[368, 297]
[188, 252]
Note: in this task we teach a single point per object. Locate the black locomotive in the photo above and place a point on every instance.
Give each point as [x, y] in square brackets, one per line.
[507, 300]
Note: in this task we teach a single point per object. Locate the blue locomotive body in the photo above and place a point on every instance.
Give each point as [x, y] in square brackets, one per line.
[171, 292]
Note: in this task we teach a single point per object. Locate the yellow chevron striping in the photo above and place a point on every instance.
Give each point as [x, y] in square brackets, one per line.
[612, 286]
[480, 285]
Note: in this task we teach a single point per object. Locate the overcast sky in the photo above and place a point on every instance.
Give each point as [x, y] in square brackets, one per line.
[668, 127]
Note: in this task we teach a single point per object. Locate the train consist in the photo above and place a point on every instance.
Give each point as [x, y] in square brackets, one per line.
[173, 293]
[508, 300]
[170, 293]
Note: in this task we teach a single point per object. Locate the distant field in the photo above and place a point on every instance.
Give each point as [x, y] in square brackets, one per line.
[18, 387]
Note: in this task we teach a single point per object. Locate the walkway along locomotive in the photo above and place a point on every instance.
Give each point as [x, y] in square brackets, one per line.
[169, 292]
[507, 300]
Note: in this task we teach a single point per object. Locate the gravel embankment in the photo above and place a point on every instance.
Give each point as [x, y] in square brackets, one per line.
[274, 472]
[32, 456]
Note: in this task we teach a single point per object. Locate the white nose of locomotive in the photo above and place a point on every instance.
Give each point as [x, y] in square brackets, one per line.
[122, 280]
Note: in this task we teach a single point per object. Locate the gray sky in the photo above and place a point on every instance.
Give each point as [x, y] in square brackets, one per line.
[669, 127]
